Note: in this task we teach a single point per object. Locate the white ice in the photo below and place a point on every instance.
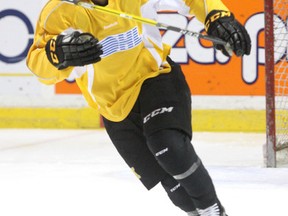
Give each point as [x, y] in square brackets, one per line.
[79, 173]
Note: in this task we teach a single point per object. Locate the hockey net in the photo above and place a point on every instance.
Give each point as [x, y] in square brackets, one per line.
[276, 51]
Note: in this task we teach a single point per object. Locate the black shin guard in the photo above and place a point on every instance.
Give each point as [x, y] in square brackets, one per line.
[178, 194]
[176, 155]
[200, 187]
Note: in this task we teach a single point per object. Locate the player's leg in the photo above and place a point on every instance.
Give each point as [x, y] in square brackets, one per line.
[176, 155]
[128, 138]
[166, 111]
[130, 142]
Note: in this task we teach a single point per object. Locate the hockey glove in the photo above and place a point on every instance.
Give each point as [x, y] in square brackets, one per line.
[75, 49]
[222, 24]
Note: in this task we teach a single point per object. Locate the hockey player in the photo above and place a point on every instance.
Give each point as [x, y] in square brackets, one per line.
[123, 69]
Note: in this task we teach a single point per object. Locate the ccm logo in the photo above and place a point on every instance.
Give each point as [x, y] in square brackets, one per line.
[157, 112]
[53, 51]
[216, 16]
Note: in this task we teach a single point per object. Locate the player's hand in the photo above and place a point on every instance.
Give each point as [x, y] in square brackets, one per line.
[222, 24]
[75, 49]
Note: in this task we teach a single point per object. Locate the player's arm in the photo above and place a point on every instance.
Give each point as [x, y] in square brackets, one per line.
[73, 49]
[40, 66]
[221, 23]
[218, 20]
[53, 55]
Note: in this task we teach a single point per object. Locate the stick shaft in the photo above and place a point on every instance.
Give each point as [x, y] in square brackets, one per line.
[151, 22]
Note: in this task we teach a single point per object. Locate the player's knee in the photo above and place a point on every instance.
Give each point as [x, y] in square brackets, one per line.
[173, 151]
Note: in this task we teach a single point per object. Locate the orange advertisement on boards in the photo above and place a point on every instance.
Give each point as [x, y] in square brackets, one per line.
[209, 72]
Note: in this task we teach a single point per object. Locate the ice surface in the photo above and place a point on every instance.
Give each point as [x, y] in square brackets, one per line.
[79, 173]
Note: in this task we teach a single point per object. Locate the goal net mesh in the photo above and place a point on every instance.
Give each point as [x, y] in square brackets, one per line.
[281, 79]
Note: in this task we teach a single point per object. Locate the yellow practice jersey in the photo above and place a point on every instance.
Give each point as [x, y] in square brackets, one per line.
[132, 51]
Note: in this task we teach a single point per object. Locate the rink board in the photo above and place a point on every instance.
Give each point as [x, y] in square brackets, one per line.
[80, 118]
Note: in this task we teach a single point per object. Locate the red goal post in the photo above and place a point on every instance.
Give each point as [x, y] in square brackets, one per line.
[276, 64]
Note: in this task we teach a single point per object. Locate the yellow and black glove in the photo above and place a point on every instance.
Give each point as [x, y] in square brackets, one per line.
[75, 49]
[222, 24]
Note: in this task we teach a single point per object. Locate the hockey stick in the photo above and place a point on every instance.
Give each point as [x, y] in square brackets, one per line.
[153, 23]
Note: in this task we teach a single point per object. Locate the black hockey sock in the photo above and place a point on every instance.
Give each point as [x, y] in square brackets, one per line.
[177, 194]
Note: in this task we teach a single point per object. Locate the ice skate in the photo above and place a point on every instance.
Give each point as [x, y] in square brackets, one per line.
[193, 213]
[214, 210]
